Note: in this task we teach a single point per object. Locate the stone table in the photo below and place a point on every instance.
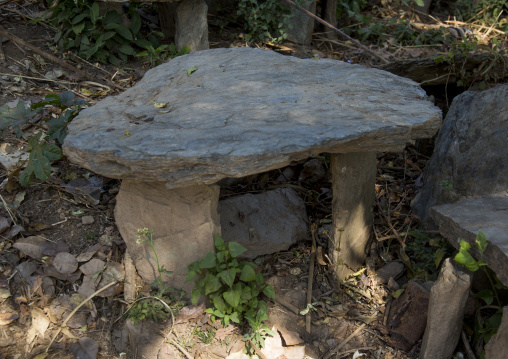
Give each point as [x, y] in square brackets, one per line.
[237, 112]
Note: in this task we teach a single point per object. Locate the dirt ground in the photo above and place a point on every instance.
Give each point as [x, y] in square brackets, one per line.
[72, 213]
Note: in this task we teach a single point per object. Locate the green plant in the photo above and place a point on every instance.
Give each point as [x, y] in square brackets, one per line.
[488, 12]
[206, 336]
[163, 52]
[484, 328]
[57, 111]
[233, 288]
[103, 38]
[148, 308]
[146, 235]
[264, 20]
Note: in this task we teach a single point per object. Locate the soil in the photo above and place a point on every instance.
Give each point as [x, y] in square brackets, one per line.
[58, 214]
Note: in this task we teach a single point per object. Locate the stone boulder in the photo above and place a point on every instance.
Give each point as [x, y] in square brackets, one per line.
[497, 347]
[470, 156]
[264, 223]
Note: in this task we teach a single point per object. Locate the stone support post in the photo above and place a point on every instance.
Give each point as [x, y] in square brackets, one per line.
[185, 221]
[354, 177]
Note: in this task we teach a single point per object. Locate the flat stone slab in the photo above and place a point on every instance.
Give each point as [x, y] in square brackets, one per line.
[244, 111]
[464, 219]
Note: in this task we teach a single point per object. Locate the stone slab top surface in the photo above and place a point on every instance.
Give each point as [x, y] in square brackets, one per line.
[240, 111]
[464, 219]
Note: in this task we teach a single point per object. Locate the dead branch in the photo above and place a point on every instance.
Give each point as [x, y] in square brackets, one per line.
[330, 26]
[52, 58]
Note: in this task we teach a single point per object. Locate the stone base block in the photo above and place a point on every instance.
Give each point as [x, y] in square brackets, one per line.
[185, 221]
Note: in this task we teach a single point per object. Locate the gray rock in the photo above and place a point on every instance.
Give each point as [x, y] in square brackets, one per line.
[463, 220]
[300, 26]
[408, 317]
[264, 223]
[245, 111]
[448, 298]
[87, 220]
[471, 156]
[496, 348]
[192, 25]
[390, 270]
[313, 170]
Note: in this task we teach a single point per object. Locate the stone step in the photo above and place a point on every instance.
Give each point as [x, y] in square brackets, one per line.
[464, 219]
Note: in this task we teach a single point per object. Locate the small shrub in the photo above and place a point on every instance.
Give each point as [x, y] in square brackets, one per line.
[233, 288]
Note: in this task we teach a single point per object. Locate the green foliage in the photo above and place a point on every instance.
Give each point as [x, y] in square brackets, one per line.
[44, 146]
[146, 235]
[233, 288]
[427, 253]
[148, 308]
[397, 31]
[206, 336]
[484, 328]
[488, 12]
[157, 55]
[264, 20]
[103, 38]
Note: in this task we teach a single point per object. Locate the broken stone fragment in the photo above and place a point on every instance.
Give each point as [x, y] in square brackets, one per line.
[447, 302]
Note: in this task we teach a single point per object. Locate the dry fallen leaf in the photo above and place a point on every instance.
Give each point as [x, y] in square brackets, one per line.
[7, 318]
[188, 313]
[93, 267]
[65, 263]
[30, 246]
[40, 321]
[222, 333]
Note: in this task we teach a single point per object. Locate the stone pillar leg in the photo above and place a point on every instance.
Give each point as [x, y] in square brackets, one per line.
[354, 178]
[192, 25]
[185, 222]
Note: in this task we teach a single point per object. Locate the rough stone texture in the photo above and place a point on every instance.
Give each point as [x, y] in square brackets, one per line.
[185, 222]
[464, 219]
[390, 270]
[354, 177]
[408, 317]
[245, 111]
[301, 26]
[448, 298]
[192, 25]
[471, 154]
[264, 223]
[497, 347]
[312, 171]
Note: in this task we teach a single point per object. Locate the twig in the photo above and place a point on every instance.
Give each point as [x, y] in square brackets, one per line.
[180, 348]
[389, 222]
[330, 26]
[469, 351]
[75, 310]
[339, 347]
[310, 280]
[287, 305]
[50, 57]
[344, 353]
[258, 351]
[37, 78]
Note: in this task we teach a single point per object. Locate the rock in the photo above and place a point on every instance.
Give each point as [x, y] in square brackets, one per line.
[354, 178]
[408, 317]
[470, 156]
[313, 170]
[463, 220]
[87, 220]
[300, 26]
[192, 25]
[390, 270]
[496, 348]
[286, 175]
[448, 298]
[264, 223]
[257, 111]
[185, 222]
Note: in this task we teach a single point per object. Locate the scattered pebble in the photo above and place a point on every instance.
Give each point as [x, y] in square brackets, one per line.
[87, 220]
